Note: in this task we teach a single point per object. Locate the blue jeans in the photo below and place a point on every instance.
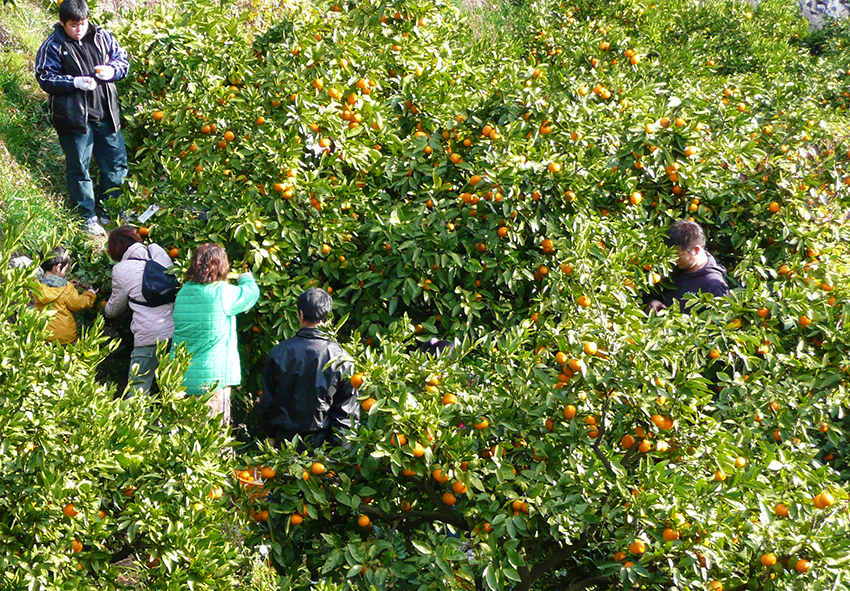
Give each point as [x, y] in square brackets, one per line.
[107, 146]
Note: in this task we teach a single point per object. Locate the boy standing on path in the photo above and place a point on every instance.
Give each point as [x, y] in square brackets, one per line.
[78, 66]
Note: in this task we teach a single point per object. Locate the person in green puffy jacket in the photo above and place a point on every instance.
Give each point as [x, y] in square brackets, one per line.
[205, 322]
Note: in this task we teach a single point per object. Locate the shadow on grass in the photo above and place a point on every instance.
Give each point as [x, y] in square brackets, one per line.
[25, 129]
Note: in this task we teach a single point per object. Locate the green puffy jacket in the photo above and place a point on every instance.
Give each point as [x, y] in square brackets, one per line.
[205, 320]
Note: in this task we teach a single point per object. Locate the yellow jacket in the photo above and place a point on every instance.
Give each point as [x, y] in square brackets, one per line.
[62, 301]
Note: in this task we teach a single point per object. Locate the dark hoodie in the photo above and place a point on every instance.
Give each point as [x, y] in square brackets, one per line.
[710, 279]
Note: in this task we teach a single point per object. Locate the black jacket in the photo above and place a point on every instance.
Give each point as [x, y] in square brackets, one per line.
[304, 393]
[710, 279]
[56, 68]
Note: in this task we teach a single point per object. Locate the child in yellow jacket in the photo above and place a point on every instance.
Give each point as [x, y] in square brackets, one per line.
[57, 295]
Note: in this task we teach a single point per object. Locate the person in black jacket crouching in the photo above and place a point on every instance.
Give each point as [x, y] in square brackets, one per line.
[305, 388]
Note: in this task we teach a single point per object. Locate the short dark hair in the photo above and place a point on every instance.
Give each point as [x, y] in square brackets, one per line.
[315, 305]
[209, 263]
[686, 235]
[58, 256]
[73, 10]
[120, 239]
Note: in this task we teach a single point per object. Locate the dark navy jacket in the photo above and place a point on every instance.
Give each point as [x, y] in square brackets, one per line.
[710, 279]
[56, 67]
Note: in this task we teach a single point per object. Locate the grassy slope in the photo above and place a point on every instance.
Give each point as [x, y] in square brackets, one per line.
[30, 157]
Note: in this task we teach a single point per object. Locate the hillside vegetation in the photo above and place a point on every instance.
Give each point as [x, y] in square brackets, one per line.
[507, 186]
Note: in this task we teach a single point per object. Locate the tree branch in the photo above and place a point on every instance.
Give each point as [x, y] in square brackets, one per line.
[409, 515]
[588, 582]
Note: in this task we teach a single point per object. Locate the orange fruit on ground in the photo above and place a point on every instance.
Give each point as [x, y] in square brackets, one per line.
[368, 404]
[569, 411]
[449, 499]
[781, 510]
[357, 380]
[637, 547]
[69, 510]
[439, 476]
[268, 473]
[802, 566]
[317, 468]
[768, 559]
[670, 534]
[364, 521]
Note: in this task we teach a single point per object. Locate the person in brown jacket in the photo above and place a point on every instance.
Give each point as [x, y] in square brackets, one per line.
[60, 297]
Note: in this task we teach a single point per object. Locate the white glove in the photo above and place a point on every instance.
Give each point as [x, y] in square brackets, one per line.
[104, 72]
[85, 83]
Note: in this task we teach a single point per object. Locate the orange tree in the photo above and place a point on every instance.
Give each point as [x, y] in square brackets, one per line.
[88, 480]
[511, 191]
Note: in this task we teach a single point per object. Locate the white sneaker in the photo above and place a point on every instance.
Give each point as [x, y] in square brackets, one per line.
[94, 228]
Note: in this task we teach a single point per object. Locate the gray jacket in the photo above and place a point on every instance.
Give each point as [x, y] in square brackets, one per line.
[149, 325]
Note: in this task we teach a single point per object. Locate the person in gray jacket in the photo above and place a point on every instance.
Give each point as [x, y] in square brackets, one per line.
[150, 325]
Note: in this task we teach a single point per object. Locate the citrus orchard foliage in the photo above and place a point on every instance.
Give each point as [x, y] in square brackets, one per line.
[512, 191]
[88, 480]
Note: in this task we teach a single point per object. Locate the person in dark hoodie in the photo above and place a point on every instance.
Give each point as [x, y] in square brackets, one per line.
[78, 66]
[305, 388]
[698, 271]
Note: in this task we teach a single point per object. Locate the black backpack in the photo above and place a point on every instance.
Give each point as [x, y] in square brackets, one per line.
[158, 287]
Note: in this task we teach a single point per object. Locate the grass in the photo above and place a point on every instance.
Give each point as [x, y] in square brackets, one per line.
[31, 170]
